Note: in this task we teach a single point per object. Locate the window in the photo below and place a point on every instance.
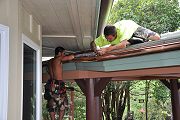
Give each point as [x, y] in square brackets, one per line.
[31, 81]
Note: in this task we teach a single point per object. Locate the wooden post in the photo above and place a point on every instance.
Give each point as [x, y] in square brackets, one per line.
[92, 88]
[175, 99]
[98, 108]
[90, 109]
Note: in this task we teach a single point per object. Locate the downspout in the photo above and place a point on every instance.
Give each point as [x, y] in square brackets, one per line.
[105, 8]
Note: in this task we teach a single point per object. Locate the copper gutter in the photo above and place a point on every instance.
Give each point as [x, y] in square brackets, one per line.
[129, 52]
[141, 51]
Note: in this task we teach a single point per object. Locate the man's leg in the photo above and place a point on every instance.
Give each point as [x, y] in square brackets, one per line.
[61, 114]
[52, 115]
[51, 109]
[154, 37]
[146, 34]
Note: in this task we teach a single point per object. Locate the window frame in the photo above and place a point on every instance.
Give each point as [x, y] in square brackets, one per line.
[33, 45]
[4, 70]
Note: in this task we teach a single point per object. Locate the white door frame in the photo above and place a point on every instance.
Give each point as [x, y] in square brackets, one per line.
[37, 48]
[4, 71]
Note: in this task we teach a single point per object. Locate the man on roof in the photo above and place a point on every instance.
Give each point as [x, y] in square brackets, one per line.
[120, 35]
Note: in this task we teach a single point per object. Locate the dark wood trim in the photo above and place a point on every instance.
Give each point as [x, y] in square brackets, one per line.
[175, 99]
[82, 84]
[164, 72]
[100, 85]
[166, 83]
[90, 103]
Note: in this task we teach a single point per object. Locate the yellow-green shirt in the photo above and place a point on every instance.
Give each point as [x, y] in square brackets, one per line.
[125, 30]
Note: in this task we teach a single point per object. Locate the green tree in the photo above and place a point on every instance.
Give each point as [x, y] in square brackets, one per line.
[114, 99]
[158, 97]
[158, 15]
[79, 102]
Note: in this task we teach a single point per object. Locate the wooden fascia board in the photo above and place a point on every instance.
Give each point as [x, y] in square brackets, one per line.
[131, 73]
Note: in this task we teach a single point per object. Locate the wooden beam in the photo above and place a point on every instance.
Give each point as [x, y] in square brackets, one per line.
[82, 84]
[68, 75]
[153, 77]
[100, 85]
[166, 83]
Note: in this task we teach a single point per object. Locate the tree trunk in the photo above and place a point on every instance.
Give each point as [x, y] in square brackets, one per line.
[114, 100]
[113, 107]
[128, 98]
[107, 105]
[122, 103]
[146, 98]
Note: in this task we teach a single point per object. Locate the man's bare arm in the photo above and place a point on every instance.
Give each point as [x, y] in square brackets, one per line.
[115, 47]
[118, 46]
[67, 58]
[50, 71]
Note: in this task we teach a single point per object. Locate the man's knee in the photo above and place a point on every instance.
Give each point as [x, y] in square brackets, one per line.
[155, 37]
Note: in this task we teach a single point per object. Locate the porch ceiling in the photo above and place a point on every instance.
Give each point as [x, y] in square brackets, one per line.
[72, 24]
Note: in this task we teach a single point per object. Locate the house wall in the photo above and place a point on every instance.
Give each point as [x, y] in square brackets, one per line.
[30, 26]
[13, 15]
[3, 12]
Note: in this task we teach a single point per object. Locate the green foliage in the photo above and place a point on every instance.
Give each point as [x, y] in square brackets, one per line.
[159, 104]
[45, 113]
[158, 15]
[161, 16]
[156, 111]
[80, 107]
[161, 93]
[114, 98]
[79, 103]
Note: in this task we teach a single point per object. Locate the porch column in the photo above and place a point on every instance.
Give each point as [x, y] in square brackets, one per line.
[92, 89]
[175, 99]
[100, 84]
[98, 109]
[90, 109]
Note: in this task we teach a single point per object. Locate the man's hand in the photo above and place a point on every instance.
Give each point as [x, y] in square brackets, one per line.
[121, 45]
[102, 51]
[55, 97]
